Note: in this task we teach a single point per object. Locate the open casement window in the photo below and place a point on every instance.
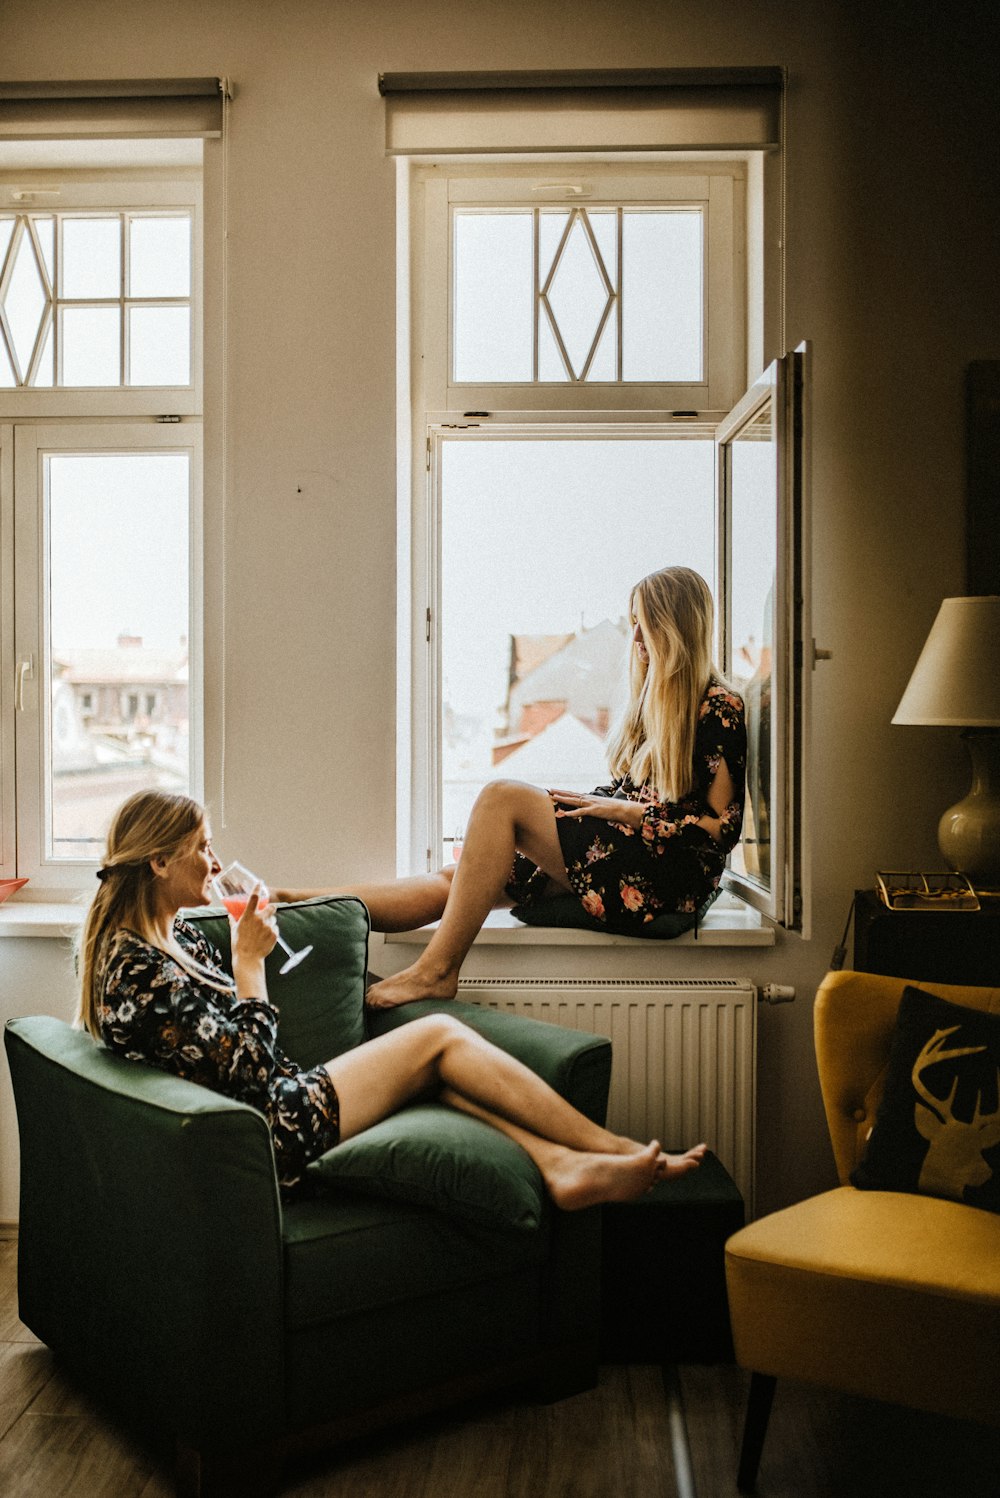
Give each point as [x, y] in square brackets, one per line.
[590, 267]
[529, 569]
[762, 474]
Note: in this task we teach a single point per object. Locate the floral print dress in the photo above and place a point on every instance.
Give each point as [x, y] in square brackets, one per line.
[623, 876]
[152, 1010]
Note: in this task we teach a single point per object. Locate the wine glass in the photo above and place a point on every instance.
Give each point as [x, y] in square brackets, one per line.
[233, 887]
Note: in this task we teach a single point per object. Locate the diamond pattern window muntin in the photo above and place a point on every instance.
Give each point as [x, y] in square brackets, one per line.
[34, 248]
[574, 344]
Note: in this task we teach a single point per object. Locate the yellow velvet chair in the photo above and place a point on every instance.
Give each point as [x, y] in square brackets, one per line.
[884, 1294]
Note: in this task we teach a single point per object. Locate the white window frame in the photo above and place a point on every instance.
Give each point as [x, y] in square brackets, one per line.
[717, 189]
[84, 419]
[27, 649]
[439, 410]
[90, 192]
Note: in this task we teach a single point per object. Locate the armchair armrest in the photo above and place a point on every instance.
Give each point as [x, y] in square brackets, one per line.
[575, 1063]
[132, 1179]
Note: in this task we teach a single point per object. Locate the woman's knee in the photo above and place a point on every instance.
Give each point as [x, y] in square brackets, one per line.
[507, 795]
[438, 1031]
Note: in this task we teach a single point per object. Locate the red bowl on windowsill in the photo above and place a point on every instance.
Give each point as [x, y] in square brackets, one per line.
[8, 886]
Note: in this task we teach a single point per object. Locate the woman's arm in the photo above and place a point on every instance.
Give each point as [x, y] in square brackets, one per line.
[575, 805]
[154, 1011]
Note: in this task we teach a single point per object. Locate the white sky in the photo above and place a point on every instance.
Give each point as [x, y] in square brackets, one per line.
[541, 536]
[118, 548]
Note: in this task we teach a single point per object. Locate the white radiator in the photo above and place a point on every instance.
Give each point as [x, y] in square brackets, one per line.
[683, 1054]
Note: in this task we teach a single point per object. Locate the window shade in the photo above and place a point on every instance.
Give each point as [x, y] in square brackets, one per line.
[648, 110]
[107, 110]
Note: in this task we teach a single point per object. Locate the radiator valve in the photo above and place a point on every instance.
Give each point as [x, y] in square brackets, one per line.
[777, 993]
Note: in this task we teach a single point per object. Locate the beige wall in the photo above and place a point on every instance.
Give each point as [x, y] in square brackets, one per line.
[892, 220]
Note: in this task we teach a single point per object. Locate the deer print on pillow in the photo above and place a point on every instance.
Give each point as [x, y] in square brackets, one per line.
[954, 1158]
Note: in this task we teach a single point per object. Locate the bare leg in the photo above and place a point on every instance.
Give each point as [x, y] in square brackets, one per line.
[667, 1166]
[508, 816]
[580, 1161]
[397, 904]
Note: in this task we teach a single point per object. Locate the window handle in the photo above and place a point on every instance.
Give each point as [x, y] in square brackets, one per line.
[25, 672]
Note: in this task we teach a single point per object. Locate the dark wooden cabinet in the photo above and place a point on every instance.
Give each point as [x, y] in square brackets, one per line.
[958, 946]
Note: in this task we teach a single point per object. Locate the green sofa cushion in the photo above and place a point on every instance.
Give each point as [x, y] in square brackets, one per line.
[433, 1156]
[320, 1002]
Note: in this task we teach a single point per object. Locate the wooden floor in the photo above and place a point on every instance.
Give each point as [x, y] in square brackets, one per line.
[612, 1442]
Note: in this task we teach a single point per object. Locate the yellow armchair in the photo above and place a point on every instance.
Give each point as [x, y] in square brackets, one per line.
[883, 1294]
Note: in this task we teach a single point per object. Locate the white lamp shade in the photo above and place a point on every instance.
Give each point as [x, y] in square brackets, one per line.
[956, 681]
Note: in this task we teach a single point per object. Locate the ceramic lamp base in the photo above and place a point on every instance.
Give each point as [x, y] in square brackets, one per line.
[969, 831]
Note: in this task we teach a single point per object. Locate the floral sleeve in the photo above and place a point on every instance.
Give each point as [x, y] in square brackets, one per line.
[720, 735]
[156, 1012]
[664, 820]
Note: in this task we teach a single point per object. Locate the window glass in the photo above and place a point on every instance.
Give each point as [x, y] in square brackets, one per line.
[91, 258]
[570, 303]
[159, 345]
[24, 302]
[753, 458]
[91, 346]
[662, 296]
[118, 636]
[493, 296]
[160, 256]
[74, 316]
[536, 571]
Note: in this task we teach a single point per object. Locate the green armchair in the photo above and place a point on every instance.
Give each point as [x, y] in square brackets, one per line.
[422, 1265]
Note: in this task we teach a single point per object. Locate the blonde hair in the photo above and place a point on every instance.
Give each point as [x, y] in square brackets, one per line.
[653, 741]
[150, 824]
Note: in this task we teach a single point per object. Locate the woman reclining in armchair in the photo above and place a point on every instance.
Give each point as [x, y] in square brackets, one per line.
[155, 991]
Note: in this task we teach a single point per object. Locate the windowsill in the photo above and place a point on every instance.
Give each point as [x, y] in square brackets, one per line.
[729, 923]
[41, 918]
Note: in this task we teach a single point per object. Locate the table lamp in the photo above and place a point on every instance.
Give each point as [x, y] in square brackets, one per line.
[956, 684]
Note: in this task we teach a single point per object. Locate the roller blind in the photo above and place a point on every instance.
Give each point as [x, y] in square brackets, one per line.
[619, 109]
[158, 108]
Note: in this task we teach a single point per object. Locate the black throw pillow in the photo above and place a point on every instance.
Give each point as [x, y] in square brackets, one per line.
[937, 1130]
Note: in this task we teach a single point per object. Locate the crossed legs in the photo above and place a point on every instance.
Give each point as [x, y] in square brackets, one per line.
[580, 1162]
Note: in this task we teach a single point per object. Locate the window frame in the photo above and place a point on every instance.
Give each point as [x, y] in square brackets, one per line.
[472, 411]
[783, 897]
[26, 728]
[163, 416]
[91, 192]
[717, 188]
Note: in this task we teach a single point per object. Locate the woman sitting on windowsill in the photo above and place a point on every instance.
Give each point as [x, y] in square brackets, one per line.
[655, 839]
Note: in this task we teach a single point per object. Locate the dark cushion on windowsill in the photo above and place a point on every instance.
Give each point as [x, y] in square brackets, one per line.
[567, 912]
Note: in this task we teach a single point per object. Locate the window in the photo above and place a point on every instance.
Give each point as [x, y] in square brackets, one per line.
[100, 320]
[579, 333]
[95, 299]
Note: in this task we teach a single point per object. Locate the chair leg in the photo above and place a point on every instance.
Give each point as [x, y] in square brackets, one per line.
[243, 1473]
[755, 1429]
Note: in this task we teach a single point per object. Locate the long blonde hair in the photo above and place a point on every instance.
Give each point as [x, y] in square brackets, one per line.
[148, 825]
[653, 741]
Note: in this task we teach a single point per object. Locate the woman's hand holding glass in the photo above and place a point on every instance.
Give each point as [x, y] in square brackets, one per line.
[243, 894]
[256, 931]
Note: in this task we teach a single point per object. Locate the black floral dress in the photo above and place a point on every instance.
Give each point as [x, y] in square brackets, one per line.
[152, 1010]
[624, 877]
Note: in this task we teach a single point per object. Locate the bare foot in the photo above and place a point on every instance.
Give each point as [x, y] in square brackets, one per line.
[669, 1166]
[578, 1179]
[408, 986]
